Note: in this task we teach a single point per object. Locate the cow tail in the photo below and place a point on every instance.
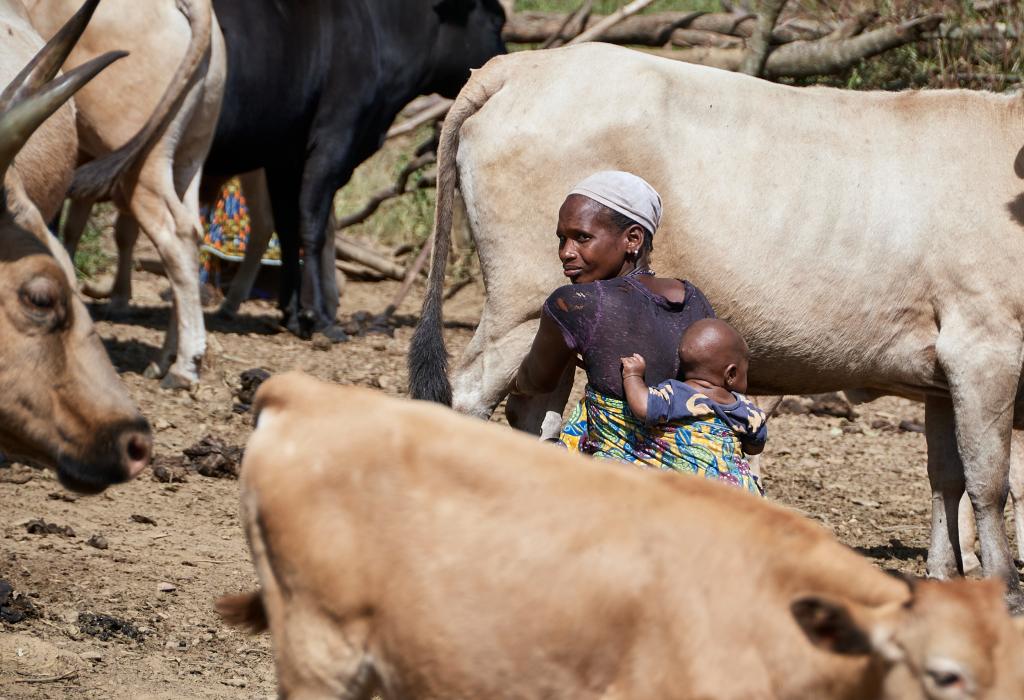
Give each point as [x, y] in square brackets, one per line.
[244, 610]
[100, 178]
[428, 356]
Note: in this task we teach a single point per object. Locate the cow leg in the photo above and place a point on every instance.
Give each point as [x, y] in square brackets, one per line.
[126, 233]
[982, 384]
[946, 476]
[488, 365]
[329, 274]
[968, 529]
[283, 184]
[74, 224]
[261, 228]
[169, 225]
[541, 415]
[968, 532]
[1017, 487]
[324, 169]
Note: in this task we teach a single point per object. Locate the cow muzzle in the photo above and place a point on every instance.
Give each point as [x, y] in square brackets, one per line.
[118, 454]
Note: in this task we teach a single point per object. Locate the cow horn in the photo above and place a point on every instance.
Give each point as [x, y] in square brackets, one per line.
[19, 122]
[45, 64]
[33, 95]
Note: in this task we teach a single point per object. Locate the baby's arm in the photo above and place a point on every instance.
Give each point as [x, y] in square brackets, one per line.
[634, 386]
[756, 436]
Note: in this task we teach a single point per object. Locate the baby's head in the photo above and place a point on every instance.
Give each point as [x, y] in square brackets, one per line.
[713, 351]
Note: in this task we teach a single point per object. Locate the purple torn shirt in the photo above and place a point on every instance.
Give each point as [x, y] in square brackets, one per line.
[606, 320]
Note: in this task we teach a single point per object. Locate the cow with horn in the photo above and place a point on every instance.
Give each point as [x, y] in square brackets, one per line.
[63, 406]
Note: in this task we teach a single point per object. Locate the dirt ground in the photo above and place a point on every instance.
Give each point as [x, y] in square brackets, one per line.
[863, 478]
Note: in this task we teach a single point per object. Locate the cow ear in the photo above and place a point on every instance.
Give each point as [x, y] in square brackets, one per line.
[455, 11]
[830, 626]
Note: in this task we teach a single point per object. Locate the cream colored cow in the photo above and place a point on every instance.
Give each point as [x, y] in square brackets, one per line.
[156, 112]
[859, 240]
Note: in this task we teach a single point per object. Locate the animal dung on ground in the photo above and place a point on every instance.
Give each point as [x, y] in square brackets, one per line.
[170, 470]
[212, 457]
[144, 519]
[107, 627]
[14, 608]
[41, 527]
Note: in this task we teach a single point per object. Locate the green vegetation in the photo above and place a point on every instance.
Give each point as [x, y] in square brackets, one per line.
[92, 257]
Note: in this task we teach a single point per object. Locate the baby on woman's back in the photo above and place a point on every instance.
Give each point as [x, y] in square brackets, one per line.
[713, 359]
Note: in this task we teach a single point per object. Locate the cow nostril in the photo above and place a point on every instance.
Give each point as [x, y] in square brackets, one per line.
[137, 449]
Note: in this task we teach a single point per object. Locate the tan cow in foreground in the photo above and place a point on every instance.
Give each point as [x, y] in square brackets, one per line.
[62, 402]
[406, 548]
[159, 107]
[858, 240]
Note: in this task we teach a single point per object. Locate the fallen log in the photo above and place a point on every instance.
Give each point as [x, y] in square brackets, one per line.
[358, 272]
[432, 113]
[347, 250]
[700, 37]
[656, 28]
[810, 58]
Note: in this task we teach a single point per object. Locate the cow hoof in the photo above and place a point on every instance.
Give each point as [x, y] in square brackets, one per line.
[175, 382]
[335, 334]
[154, 371]
[227, 312]
[1015, 602]
[306, 324]
[971, 563]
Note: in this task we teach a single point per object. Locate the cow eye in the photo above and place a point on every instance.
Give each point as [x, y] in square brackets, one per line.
[946, 679]
[40, 295]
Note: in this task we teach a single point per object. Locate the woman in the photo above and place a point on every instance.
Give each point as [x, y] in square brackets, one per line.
[617, 306]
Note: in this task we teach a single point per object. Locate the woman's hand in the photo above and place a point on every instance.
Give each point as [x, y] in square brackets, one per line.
[633, 365]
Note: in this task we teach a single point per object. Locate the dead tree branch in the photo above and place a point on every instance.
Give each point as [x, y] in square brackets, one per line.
[656, 28]
[395, 190]
[595, 32]
[577, 20]
[430, 114]
[759, 44]
[810, 58]
[347, 250]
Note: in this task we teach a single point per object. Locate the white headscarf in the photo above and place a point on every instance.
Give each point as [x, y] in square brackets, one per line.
[626, 193]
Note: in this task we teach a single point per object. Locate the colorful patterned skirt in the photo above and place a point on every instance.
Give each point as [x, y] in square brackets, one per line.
[226, 234]
[604, 427]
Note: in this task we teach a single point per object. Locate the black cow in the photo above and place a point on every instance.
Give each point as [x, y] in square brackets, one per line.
[313, 86]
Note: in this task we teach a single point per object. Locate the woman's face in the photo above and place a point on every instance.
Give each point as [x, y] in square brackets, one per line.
[590, 246]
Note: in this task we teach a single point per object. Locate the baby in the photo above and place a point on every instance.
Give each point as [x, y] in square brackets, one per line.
[713, 360]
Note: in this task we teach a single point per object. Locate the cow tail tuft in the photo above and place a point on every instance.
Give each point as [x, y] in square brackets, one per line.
[244, 610]
[428, 356]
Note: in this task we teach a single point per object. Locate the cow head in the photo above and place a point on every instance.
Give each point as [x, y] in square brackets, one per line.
[951, 640]
[469, 35]
[61, 403]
